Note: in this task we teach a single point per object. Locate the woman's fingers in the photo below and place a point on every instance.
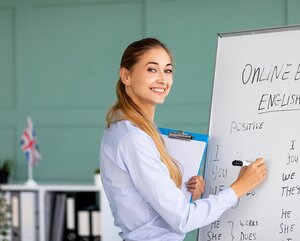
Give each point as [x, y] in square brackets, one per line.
[250, 177]
[196, 186]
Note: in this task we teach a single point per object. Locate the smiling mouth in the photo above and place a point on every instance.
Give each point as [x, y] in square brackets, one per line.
[158, 90]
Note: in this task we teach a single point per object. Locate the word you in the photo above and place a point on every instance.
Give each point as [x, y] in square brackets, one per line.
[292, 159]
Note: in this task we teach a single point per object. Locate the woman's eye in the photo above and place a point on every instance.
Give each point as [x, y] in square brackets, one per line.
[169, 71]
[152, 70]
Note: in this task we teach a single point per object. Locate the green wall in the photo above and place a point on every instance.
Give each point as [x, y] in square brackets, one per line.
[59, 64]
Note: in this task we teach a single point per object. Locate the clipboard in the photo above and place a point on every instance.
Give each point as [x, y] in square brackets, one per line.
[188, 149]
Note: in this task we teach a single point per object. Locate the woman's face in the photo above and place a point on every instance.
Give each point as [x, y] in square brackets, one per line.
[149, 81]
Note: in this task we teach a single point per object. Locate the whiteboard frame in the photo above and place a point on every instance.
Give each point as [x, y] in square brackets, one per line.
[231, 34]
[259, 31]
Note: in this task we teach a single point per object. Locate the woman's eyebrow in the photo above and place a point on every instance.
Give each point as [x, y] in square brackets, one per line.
[152, 62]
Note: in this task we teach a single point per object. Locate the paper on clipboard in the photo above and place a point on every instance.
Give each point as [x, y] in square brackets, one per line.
[189, 152]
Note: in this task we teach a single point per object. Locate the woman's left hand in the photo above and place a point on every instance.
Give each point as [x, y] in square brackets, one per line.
[196, 186]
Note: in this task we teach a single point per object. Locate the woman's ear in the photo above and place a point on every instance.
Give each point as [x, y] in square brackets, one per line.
[124, 75]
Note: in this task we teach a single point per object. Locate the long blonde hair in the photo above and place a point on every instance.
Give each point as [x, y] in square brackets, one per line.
[130, 111]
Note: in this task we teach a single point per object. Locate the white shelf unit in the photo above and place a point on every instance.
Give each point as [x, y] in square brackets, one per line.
[109, 232]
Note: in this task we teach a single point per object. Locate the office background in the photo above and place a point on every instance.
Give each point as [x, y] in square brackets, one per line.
[59, 64]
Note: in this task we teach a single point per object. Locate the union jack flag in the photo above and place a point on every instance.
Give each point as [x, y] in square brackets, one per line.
[29, 144]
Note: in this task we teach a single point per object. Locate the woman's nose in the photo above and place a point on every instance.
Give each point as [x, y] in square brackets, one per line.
[162, 79]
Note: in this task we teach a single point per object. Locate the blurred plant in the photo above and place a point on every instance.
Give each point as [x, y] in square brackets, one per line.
[6, 165]
[5, 170]
[5, 210]
[97, 170]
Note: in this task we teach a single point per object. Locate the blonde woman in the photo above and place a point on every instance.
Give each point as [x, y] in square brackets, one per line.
[140, 179]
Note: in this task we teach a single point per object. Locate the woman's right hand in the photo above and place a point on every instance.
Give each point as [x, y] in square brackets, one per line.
[250, 177]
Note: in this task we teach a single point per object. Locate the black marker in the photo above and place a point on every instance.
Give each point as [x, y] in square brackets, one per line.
[240, 163]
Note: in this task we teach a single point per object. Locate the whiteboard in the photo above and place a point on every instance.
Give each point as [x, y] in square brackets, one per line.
[255, 112]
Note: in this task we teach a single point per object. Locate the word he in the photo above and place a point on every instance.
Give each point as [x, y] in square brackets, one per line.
[215, 224]
[286, 228]
[269, 101]
[292, 159]
[218, 172]
[245, 126]
[285, 214]
[288, 191]
[253, 75]
[249, 223]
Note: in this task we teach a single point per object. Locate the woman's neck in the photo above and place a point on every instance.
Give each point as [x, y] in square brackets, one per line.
[149, 113]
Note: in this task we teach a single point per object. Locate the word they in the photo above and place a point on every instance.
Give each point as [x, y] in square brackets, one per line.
[288, 191]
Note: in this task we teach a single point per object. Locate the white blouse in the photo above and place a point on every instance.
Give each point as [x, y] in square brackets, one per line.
[145, 202]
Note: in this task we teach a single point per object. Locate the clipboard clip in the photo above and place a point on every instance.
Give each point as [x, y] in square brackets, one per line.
[180, 135]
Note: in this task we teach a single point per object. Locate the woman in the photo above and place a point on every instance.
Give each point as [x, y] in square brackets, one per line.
[140, 179]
